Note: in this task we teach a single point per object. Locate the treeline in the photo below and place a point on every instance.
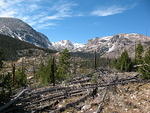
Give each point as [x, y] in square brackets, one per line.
[11, 80]
[140, 63]
[55, 70]
[50, 71]
[11, 46]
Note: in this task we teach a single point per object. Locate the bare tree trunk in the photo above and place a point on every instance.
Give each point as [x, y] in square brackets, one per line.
[34, 73]
[74, 65]
[53, 70]
[95, 60]
[13, 73]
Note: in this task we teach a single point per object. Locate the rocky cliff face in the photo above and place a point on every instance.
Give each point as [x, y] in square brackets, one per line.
[18, 29]
[112, 46]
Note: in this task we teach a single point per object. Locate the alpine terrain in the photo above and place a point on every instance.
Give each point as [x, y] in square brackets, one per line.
[109, 46]
[16, 28]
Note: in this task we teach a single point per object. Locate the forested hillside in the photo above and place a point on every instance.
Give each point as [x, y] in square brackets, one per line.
[12, 47]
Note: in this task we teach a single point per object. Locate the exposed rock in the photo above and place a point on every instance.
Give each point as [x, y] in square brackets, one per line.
[18, 29]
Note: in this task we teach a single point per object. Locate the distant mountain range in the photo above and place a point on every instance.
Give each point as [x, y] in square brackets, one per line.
[110, 46]
[67, 44]
[113, 46]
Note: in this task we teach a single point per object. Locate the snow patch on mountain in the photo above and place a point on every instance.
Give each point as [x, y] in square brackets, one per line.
[78, 45]
[66, 44]
[111, 48]
[16, 28]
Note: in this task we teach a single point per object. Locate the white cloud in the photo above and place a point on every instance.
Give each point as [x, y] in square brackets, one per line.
[107, 11]
[45, 25]
[35, 12]
[7, 14]
[33, 7]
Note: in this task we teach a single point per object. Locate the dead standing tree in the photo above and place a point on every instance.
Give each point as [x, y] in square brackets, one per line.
[34, 69]
[74, 65]
[53, 70]
[13, 73]
[95, 60]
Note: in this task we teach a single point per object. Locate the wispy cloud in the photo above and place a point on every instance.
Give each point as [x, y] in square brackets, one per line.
[107, 11]
[35, 13]
[43, 13]
[45, 25]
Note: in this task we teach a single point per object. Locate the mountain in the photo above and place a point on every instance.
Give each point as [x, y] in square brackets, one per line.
[14, 48]
[16, 28]
[112, 46]
[67, 44]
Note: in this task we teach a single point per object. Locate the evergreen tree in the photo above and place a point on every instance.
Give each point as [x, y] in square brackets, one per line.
[47, 72]
[1, 58]
[113, 63]
[44, 72]
[124, 62]
[7, 81]
[138, 54]
[144, 69]
[21, 78]
[63, 66]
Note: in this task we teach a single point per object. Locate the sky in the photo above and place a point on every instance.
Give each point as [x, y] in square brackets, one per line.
[80, 20]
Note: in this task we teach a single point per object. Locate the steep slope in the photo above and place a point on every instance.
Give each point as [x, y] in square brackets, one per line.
[14, 48]
[112, 46]
[18, 29]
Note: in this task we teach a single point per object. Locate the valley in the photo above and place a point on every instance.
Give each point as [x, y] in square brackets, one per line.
[106, 75]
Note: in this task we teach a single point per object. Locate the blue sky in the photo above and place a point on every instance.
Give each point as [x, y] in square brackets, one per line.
[80, 20]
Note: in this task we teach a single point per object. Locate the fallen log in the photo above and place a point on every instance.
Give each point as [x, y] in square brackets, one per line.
[13, 100]
[42, 108]
[56, 97]
[100, 107]
[72, 104]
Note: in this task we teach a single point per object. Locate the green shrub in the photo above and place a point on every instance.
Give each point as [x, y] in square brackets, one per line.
[144, 69]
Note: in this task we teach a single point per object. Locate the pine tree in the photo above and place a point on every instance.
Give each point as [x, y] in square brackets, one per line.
[63, 66]
[44, 72]
[138, 53]
[124, 62]
[47, 72]
[7, 81]
[21, 77]
[1, 58]
[144, 69]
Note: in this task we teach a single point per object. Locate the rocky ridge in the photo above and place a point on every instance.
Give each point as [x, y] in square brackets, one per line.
[16, 28]
[109, 46]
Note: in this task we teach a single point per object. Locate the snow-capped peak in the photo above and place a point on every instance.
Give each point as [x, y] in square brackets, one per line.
[78, 45]
[60, 45]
